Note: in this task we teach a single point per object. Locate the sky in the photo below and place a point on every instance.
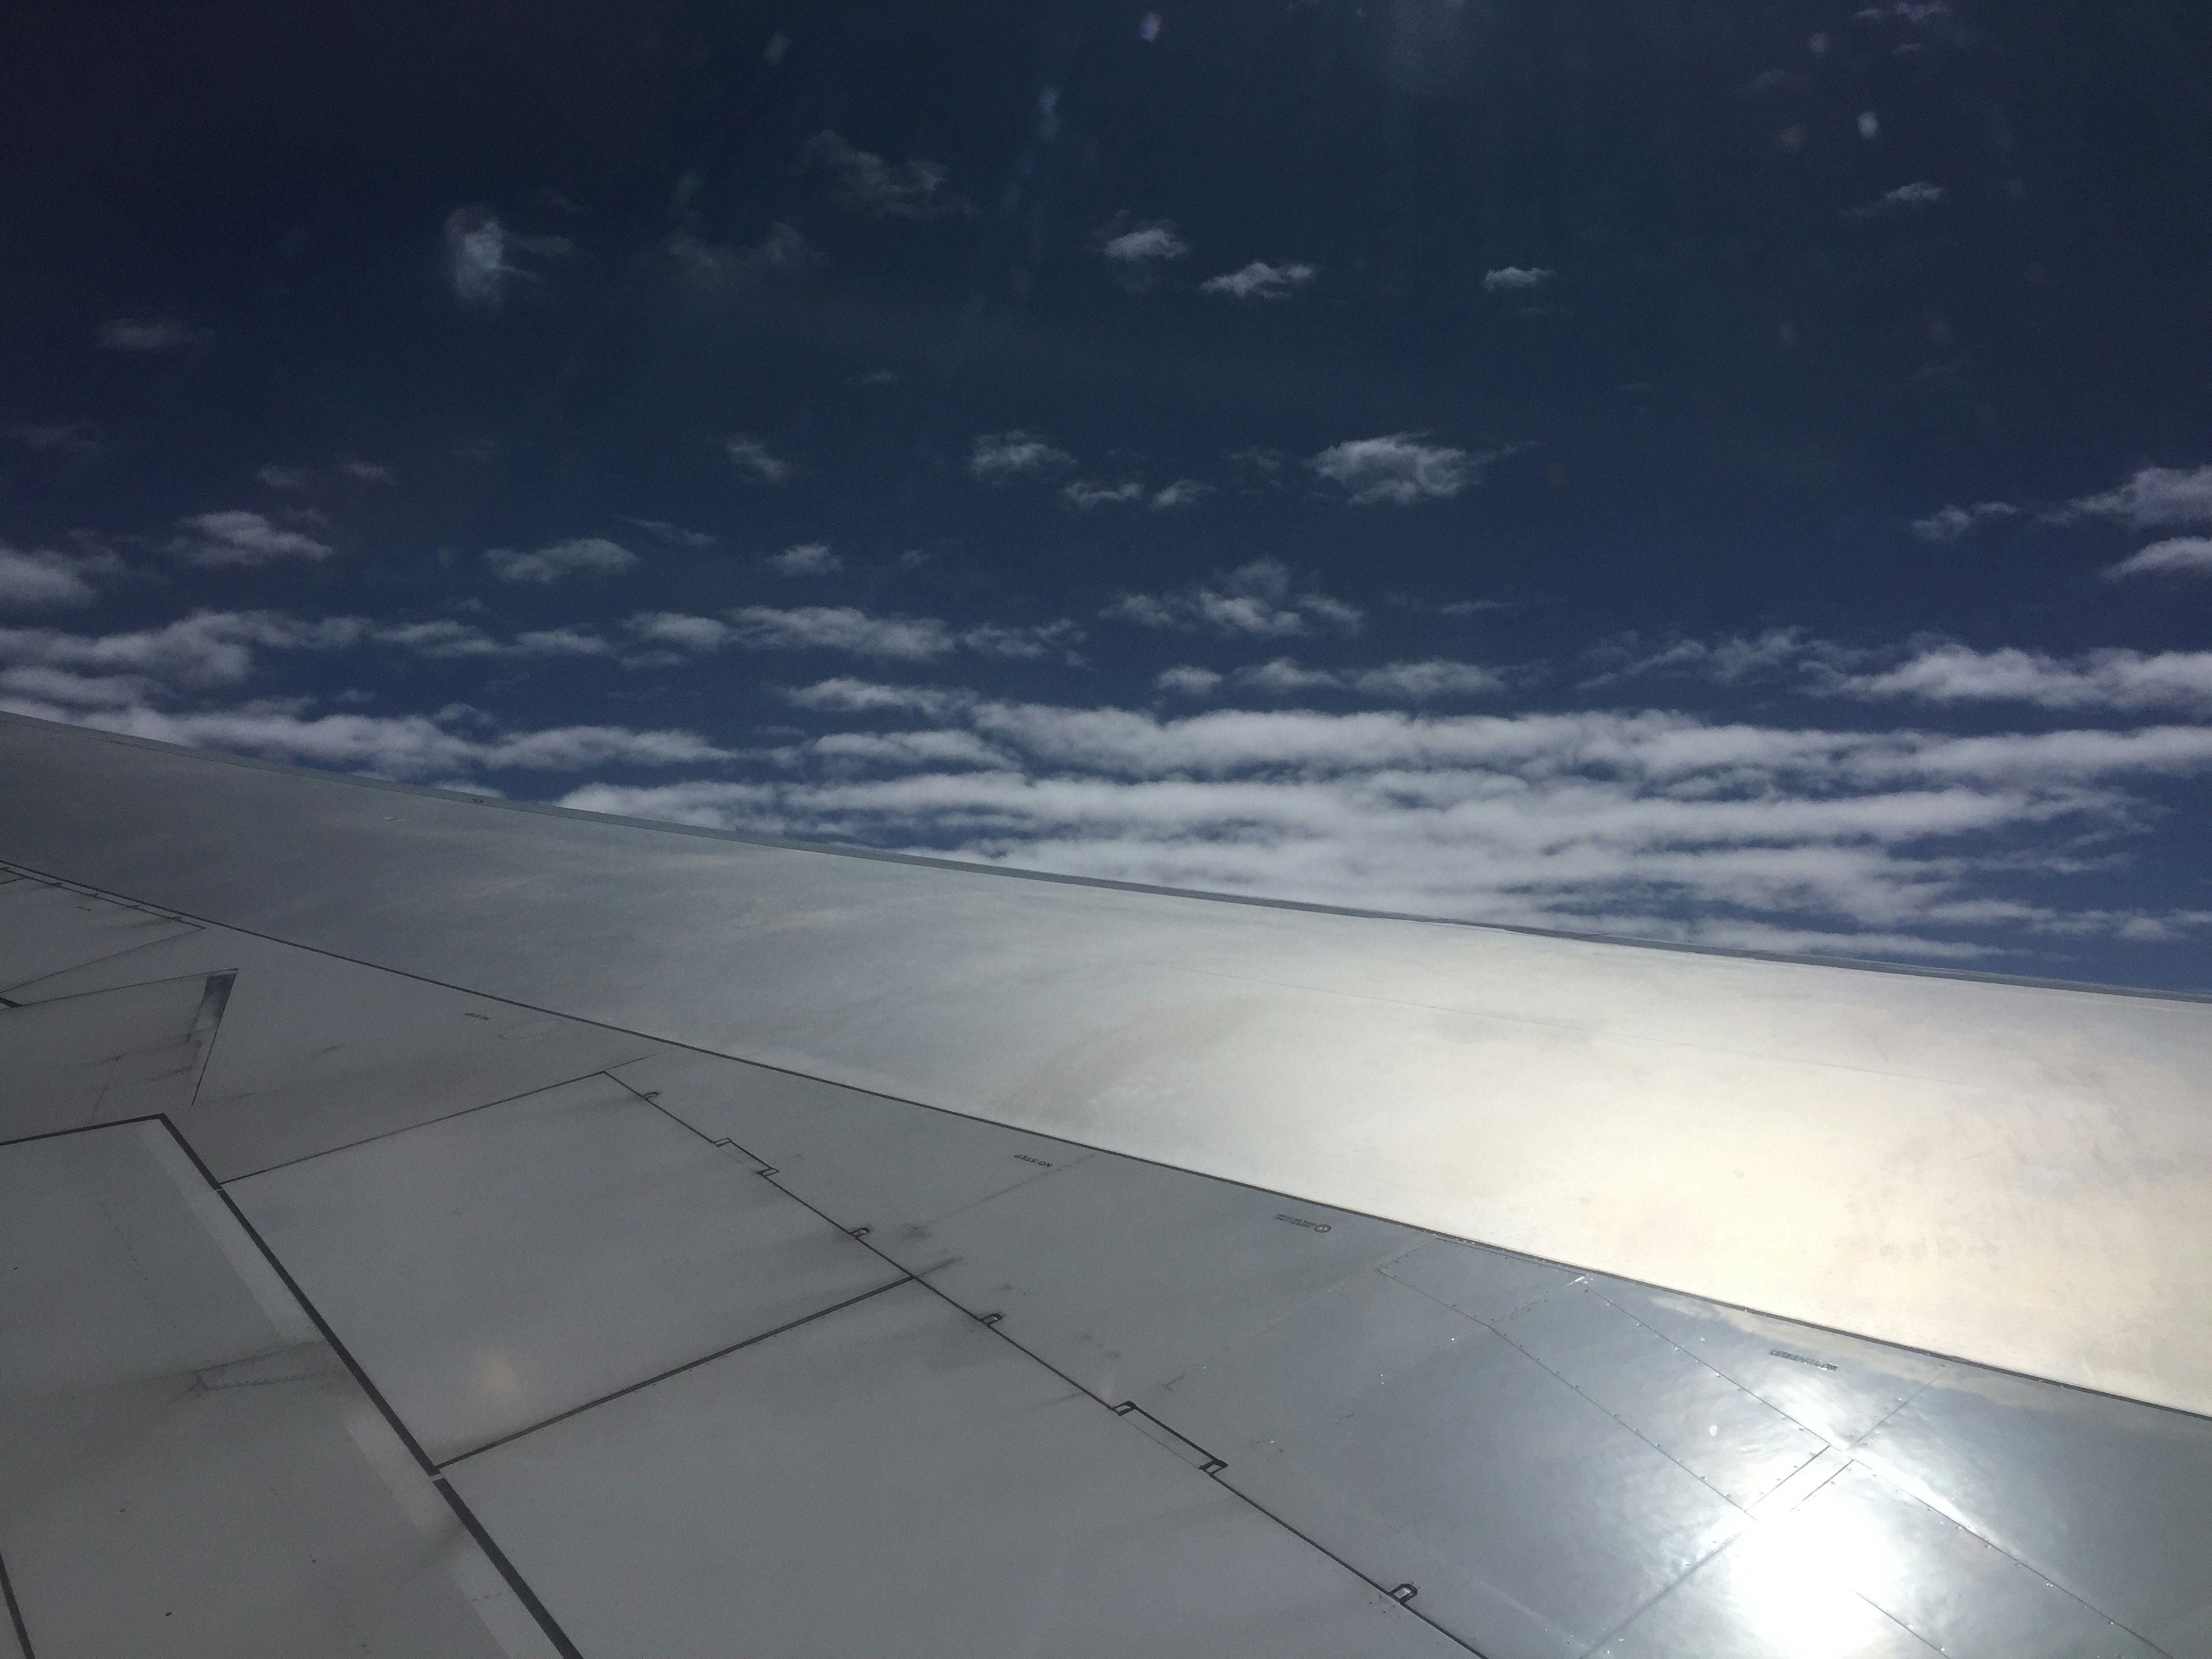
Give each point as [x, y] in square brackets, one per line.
[1729, 472]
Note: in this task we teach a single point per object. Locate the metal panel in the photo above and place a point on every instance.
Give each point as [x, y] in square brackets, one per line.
[1423, 1448]
[883, 1164]
[893, 1478]
[1122, 1275]
[502, 1266]
[45, 928]
[1736, 1442]
[2110, 1499]
[109, 1054]
[1997, 1171]
[318, 1053]
[1484, 1284]
[188, 1468]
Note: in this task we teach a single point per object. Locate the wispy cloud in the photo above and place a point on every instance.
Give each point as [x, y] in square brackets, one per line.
[675, 535]
[1515, 279]
[751, 457]
[1906, 198]
[146, 334]
[236, 537]
[906, 190]
[292, 480]
[368, 472]
[480, 252]
[76, 441]
[807, 559]
[1002, 457]
[847, 629]
[2155, 496]
[2111, 680]
[2183, 556]
[445, 640]
[720, 271]
[1183, 492]
[1149, 242]
[1949, 523]
[1087, 493]
[1397, 470]
[1257, 601]
[37, 578]
[1424, 681]
[581, 555]
[1261, 281]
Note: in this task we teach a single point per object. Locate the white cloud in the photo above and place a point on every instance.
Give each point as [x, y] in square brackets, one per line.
[1396, 682]
[592, 556]
[1515, 279]
[39, 577]
[449, 641]
[1188, 681]
[146, 334]
[207, 649]
[909, 190]
[1183, 492]
[476, 256]
[239, 537]
[2182, 556]
[841, 628]
[673, 627]
[368, 471]
[1000, 458]
[1150, 243]
[751, 457]
[1906, 198]
[1256, 600]
[1949, 523]
[1261, 281]
[291, 479]
[1397, 469]
[1729, 661]
[674, 534]
[1639, 822]
[720, 271]
[2124, 681]
[73, 440]
[807, 559]
[2155, 496]
[1087, 493]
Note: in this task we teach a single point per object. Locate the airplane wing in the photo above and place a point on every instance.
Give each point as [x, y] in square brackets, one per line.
[433, 1225]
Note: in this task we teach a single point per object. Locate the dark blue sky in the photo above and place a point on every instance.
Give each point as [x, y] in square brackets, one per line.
[1663, 468]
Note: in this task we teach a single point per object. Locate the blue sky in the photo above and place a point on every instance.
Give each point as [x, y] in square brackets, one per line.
[1732, 474]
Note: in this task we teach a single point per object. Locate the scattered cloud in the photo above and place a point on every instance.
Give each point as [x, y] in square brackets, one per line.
[1086, 493]
[1730, 660]
[909, 190]
[1257, 601]
[1261, 281]
[751, 457]
[721, 270]
[582, 555]
[479, 255]
[1152, 242]
[447, 641]
[2110, 680]
[1002, 457]
[1515, 279]
[146, 334]
[1949, 523]
[237, 537]
[38, 578]
[1183, 492]
[840, 628]
[290, 479]
[368, 471]
[807, 559]
[1397, 470]
[1906, 198]
[76, 441]
[2154, 497]
[2188, 556]
[207, 649]
[1188, 681]
[674, 534]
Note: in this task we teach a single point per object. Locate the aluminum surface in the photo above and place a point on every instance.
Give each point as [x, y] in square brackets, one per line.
[45, 928]
[793, 1498]
[2015, 1175]
[505, 1265]
[318, 1053]
[188, 1468]
[104, 1055]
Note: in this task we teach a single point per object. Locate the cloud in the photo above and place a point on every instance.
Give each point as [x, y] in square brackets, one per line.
[910, 190]
[291, 479]
[592, 556]
[1397, 470]
[841, 628]
[674, 534]
[1515, 279]
[1906, 198]
[1087, 493]
[447, 641]
[1261, 281]
[207, 649]
[39, 578]
[751, 457]
[1002, 457]
[368, 471]
[475, 256]
[1183, 492]
[2183, 556]
[2108, 680]
[1396, 682]
[1903, 842]
[236, 537]
[807, 559]
[1188, 681]
[146, 334]
[720, 271]
[1154, 242]
[2155, 496]
[76, 441]
[1728, 661]
[672, 628]
[1949, 523]
[1256, 600]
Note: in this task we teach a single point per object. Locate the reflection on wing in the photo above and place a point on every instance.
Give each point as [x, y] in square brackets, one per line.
[346, 1310]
